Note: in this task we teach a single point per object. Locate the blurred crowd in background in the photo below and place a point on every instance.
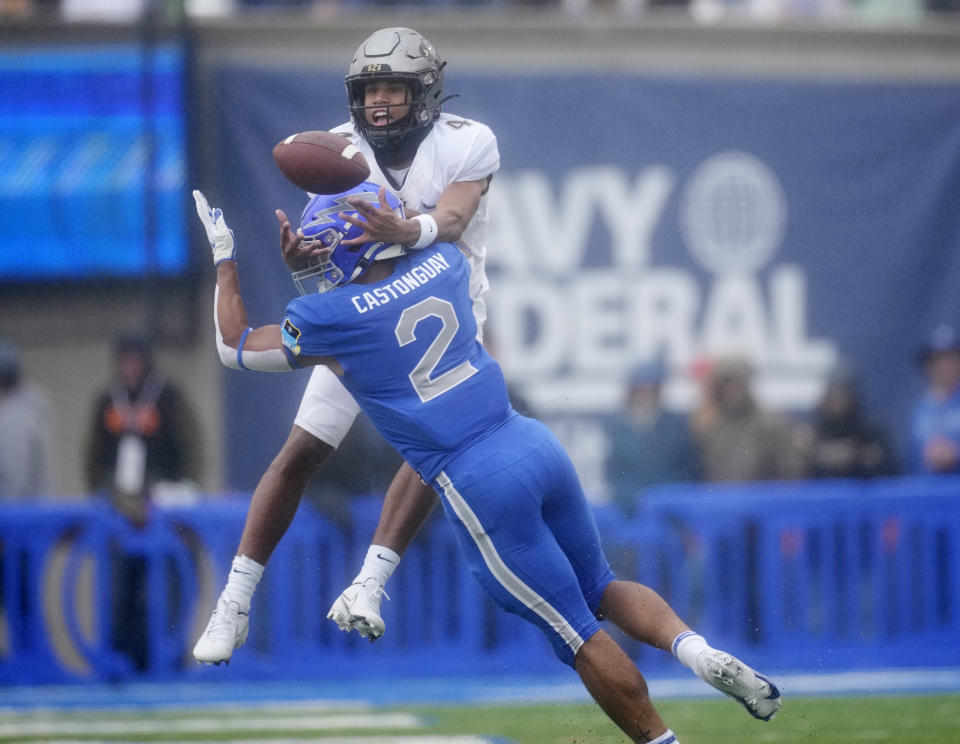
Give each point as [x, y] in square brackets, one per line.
[731, 437]
[699, 11]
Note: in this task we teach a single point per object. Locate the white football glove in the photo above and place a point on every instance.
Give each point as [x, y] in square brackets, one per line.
[219, 235]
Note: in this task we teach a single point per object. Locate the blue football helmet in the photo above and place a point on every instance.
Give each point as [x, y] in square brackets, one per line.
[321, 223]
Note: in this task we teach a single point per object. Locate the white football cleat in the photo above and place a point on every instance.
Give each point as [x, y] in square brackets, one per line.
[358, 608]
[227, 629]
[753, 691]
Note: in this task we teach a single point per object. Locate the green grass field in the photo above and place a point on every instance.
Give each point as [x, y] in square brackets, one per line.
[831, 720]
[834, 720]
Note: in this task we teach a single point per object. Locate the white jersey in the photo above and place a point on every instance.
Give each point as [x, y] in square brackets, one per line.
[456, 149]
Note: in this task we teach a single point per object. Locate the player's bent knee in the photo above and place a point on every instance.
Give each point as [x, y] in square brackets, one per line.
[567, 635]
[302, 453]
[568, 645]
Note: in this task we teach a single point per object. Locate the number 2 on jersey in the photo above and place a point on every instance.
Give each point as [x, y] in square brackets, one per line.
[428, 387]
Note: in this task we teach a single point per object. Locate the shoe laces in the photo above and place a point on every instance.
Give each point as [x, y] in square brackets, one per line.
[374, 594]
[223, 623]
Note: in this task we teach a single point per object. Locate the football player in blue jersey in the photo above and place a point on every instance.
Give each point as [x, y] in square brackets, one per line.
[398, 328]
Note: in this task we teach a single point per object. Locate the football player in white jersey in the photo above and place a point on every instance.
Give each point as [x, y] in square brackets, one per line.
[440, 166]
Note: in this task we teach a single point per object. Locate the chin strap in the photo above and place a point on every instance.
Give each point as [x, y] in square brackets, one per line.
[391, 251]
[376, 252]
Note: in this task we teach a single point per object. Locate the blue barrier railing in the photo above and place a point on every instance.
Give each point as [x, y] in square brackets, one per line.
[798, 576]
[822, 575]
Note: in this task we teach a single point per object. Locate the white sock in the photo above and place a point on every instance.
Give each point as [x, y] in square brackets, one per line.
[379, 564]
[244, 575]
[666, 738]
[687, 647]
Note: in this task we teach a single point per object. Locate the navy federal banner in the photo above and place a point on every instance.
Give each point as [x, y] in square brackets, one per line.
[794, 223]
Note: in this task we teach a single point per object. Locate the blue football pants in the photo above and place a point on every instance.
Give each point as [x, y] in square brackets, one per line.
[524, 524]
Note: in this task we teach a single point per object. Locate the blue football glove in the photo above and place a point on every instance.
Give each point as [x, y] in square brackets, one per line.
[219, 235]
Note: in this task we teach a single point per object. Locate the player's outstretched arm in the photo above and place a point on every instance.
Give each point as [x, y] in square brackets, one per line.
[239, 345]
[455, 208]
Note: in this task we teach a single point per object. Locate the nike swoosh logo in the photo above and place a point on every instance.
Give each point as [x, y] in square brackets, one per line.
[245, 573]
[429, 207]
[382, 557]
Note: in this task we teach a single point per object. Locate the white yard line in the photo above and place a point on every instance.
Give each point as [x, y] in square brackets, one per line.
[188, 724]
[267, 707]
[419, 739]
[358, 695]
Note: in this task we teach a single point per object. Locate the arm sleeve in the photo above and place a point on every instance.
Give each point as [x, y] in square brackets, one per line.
[269, 360]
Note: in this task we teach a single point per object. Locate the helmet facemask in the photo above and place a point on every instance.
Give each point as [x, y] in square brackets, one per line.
[402, 133]
[397, 54]
[322, 268]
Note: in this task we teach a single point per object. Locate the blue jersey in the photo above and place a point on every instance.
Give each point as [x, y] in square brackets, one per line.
[407, 346]
[410, 358]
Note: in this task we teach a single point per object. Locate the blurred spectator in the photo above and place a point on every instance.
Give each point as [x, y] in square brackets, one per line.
[648, 444]
[775, 11]
[26, 432]
[140, 440]
[739, 440]
[768, 11]
[134, 11]
[842, 441]
[102, 10]
[275, 4]
[16, 8]
[889, 10]
[208, 8]
[141, 434]
[935, 425]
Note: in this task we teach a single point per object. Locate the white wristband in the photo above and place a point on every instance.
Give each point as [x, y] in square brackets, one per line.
[428, 230]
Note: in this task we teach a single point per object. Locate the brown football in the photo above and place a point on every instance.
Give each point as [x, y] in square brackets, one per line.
[321, 162]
